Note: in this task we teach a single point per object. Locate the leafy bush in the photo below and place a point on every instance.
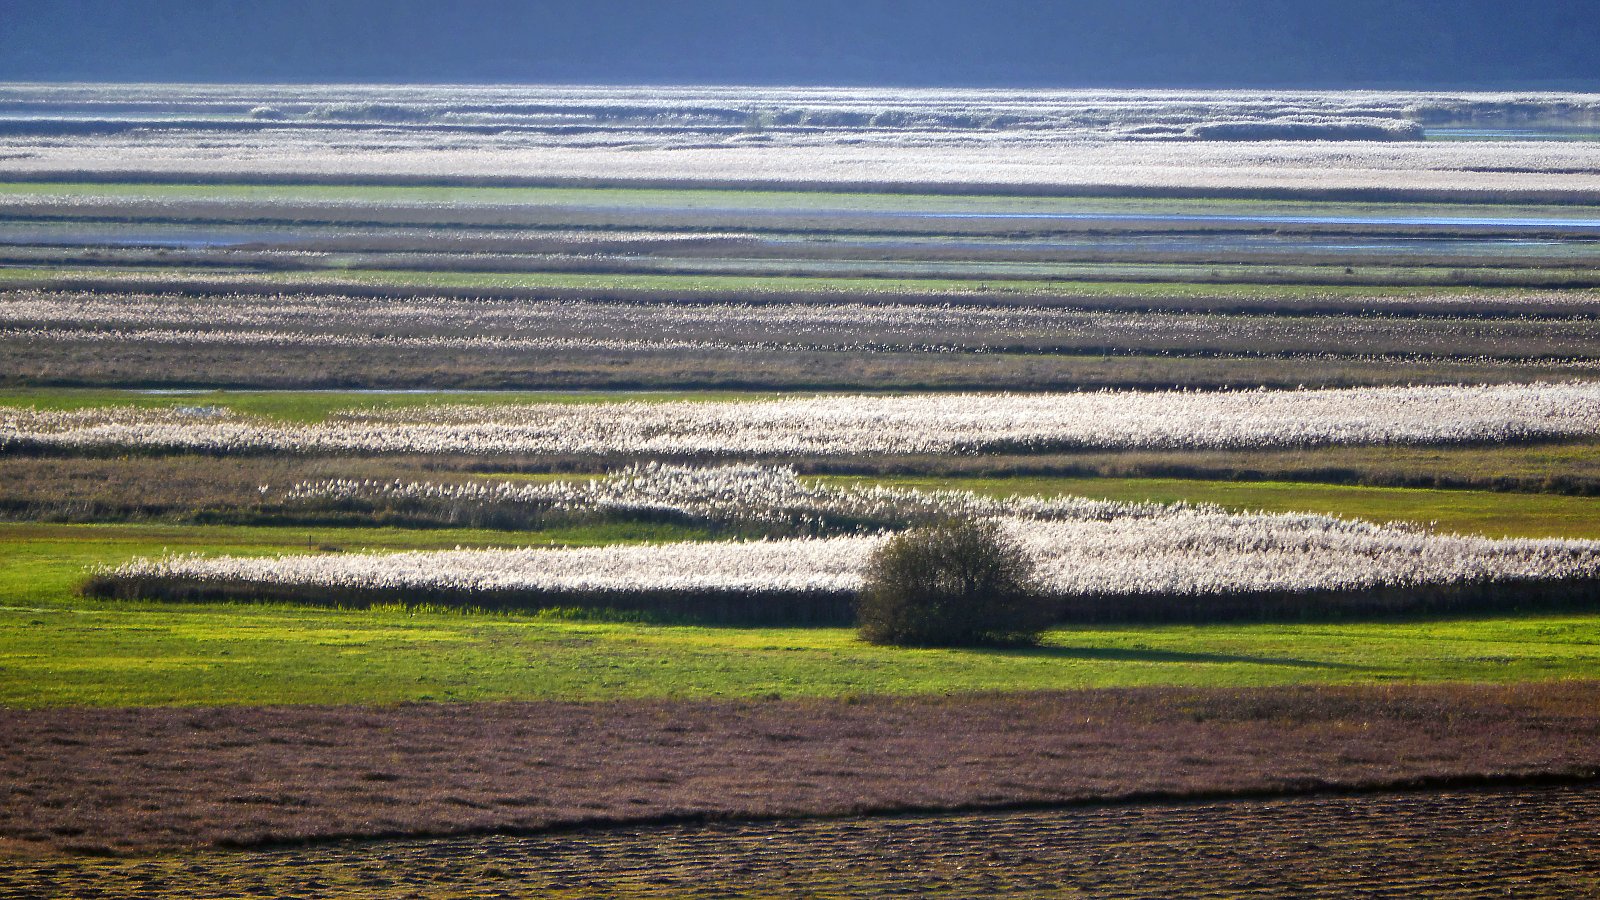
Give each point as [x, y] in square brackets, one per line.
[959, 583]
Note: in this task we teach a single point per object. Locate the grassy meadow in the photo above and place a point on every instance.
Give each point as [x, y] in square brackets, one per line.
[711, 198]
[107, 654]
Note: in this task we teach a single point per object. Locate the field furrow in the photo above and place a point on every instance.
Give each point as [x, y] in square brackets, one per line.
[1454, 845]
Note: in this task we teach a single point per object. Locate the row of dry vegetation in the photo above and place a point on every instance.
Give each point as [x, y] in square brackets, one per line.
[845, 425]
[186, 488]
[138, 780]
[1184, 297]
[846, 324]
[827, 340]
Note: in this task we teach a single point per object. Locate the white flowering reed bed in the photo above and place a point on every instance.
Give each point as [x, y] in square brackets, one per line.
[1100, 560]
[745, 499]
[850, 425]
[1488, 170]
[437, 323]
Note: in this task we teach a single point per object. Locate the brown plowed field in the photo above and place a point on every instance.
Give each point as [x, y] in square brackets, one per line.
[145, 780]
[1457, 844]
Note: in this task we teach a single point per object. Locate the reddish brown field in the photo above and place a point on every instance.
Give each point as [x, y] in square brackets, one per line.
[139, 780]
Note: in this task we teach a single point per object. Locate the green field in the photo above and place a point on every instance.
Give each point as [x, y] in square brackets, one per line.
[1468, 512]
[57, 649]
[106, 655]
[692, 199]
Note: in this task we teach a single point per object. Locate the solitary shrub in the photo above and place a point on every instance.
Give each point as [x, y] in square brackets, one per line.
[960, 583]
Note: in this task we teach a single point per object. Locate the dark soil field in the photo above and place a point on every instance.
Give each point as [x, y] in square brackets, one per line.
[143, 780]
[1522, 842]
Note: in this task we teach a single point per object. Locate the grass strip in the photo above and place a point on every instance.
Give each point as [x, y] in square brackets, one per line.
[110, 654]
[997, 200]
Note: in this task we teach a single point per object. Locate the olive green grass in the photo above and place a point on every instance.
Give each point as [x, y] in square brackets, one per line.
[57, 649]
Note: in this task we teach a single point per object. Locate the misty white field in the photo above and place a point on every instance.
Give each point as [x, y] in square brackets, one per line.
[1227, 140]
